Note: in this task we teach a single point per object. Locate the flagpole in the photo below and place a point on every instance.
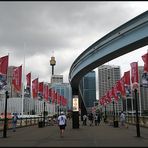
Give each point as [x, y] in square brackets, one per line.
[139, 94]
[23, 76]
[132, 103]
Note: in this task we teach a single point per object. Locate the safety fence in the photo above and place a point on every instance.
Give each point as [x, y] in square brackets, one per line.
[24, 122]
[143, 120]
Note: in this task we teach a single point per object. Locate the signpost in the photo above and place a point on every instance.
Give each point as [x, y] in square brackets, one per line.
[75, 113]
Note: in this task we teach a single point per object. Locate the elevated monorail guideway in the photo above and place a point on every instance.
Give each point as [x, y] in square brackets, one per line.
[124, 39]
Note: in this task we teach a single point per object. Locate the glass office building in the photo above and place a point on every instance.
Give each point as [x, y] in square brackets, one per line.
[88, 90]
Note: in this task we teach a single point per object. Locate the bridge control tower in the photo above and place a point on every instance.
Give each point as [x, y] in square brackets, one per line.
[52, 63]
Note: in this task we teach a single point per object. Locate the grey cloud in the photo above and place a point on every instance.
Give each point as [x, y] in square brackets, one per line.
[47, 26]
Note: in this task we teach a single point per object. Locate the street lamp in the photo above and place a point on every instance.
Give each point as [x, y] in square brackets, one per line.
[115, 122]
[5, 119]
[105, 114]
[113, 111]
[44, 114]
[135, 88]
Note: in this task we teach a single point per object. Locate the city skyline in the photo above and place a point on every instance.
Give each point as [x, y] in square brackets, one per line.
[46, 29]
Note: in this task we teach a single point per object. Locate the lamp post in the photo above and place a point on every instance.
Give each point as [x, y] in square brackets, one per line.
[5, 119]
[105, 114]
[44, 114]
[115, 122]
[113, 111]
[135, 88]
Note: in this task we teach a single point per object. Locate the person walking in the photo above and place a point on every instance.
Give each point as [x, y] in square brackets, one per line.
[97, 119]
[91, 118]
[62, 121]
[122, 119]
[14, 121]
[84, 120]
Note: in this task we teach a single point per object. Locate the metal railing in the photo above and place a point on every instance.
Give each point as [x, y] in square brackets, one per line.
[21, 122]
[143, 120]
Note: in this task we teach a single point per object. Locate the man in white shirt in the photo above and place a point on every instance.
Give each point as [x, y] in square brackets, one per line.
[62, 123]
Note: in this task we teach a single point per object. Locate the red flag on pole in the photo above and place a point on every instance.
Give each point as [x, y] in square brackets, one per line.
[126, 78]
[53, 95]
[62, 100]
[144, 80]
[49, 94]
[17, 78]
[120, 87]
[145, 59]
[28, 79]
[46, 92]
[109, 97]
[114, 93]
[58, 98]
[41, 89]
[134, 72]
[3, 71]
[3, 65]
[35, 88]
[28, 86]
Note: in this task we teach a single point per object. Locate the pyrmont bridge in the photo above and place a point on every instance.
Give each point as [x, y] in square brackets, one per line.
[126, 38]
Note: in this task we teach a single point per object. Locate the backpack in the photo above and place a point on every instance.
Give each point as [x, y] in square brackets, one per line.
[15, 118]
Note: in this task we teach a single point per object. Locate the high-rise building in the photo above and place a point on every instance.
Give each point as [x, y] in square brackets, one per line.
[107, 78]
[64, 89]
[57, 79]
[88, 90]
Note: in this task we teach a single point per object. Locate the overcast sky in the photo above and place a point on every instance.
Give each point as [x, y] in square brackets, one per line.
[39, 30]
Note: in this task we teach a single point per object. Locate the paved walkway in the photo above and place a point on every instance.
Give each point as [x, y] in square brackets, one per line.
[103, 135]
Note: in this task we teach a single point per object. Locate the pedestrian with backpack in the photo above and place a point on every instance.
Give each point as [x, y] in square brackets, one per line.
[14, 121]
[62, 121]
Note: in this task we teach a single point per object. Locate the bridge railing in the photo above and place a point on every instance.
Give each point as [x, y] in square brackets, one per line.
[143, 120]
[21, 122]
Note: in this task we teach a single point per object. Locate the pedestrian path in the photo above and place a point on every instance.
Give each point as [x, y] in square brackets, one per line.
[103, 135]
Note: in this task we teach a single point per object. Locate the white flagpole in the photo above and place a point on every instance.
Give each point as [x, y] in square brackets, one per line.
[131, 99]
[23, 79]
[132, 103]
[139, 93]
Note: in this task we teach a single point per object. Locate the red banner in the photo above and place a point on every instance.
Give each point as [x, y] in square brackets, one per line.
[114, 93]
[17, 78]
[3, 65]
[103, 101]
[126, 78]
[49, 94]
[61, 100]
[145, 59]
[120, 87]
[134, 72]
[109, 96]
[58, 98]
[28, 79]
[53, 95]
[46, 92]
[35, 88]
[41, 90]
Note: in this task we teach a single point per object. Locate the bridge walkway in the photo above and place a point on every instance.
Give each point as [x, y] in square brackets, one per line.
[103, 135]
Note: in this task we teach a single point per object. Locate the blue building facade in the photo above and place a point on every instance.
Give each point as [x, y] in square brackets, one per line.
[88, 90]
